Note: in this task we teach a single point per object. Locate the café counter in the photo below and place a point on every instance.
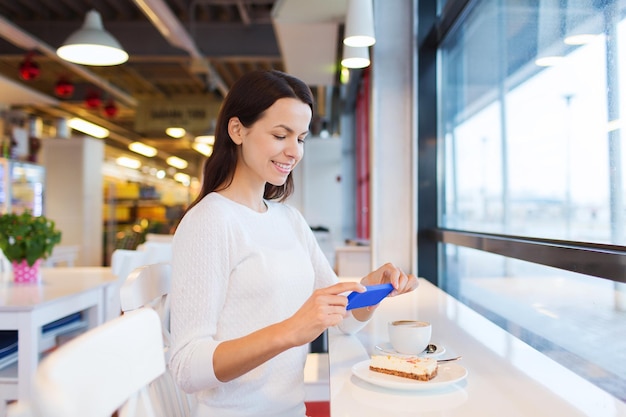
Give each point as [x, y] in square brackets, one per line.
[505, 376]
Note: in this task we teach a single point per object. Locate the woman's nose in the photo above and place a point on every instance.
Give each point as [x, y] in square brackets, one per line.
[294, 148]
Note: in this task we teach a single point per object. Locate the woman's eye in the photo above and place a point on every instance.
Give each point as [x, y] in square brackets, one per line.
[279, 137]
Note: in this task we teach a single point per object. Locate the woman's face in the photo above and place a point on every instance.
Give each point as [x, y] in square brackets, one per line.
[274, 144]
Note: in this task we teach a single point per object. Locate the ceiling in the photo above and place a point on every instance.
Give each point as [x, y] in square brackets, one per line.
[183, 53]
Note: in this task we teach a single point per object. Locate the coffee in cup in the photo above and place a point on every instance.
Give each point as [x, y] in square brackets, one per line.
[409, 337]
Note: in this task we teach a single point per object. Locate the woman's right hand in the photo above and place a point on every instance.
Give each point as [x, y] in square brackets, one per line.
[325, 308]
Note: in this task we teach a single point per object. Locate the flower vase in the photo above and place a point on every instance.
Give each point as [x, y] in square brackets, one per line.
[24, 273]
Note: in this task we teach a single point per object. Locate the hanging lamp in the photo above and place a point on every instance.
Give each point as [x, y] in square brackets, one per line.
[359, 24]
[92, 45]
[355, 57]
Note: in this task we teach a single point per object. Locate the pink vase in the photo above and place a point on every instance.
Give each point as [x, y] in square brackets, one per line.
[24, 273]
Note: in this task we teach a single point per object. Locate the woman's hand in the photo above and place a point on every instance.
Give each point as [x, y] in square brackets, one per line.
[326, 307]
[402, 283]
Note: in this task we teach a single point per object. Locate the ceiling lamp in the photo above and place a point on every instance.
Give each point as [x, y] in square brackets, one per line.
[92, 45]
[205, 139]
[88, 128]
[355, 57]
[142, 149]
[175, 132]
[359, 24]
[176, 162]
[182, 178]
[127, 162]
[29, 70]
[203, 148]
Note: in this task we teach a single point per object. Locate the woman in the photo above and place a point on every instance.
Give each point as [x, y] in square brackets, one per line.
[251, 287]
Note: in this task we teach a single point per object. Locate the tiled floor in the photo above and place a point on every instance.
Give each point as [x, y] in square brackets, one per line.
[577, 322]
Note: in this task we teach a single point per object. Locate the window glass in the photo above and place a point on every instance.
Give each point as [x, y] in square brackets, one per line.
[532, 124]
[574, 319]
[532, 110]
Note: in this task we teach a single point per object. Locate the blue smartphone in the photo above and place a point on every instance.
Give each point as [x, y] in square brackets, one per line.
[373, 295]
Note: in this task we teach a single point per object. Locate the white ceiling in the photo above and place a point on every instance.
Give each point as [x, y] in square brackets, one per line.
[307, 34]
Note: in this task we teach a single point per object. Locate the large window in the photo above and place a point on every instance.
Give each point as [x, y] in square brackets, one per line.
[531, 217]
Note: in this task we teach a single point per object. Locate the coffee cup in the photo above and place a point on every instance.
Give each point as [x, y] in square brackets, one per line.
[409, 337]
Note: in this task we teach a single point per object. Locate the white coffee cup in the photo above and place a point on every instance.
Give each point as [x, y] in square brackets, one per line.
[409, 336]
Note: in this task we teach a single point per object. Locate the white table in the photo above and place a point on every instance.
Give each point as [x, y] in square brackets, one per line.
[506, 377]
[28, 307]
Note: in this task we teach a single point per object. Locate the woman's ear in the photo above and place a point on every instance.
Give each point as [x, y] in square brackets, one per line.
[235, 130]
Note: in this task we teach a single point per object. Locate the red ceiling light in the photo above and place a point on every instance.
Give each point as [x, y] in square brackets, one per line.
[64, 88]
[92, 100]
[29, 70]
[110, 109]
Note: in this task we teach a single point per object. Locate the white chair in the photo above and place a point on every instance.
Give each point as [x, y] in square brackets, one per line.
[103, 371]
[5, 264]
[158, 237]
[147, 287]
[123, 261]
[62, 255]
[156, 252]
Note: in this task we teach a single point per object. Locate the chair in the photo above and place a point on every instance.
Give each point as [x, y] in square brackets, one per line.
[147, 287]
[123, 261]
[62, 255]
[104, 371]
[156, 252]
[5, 264]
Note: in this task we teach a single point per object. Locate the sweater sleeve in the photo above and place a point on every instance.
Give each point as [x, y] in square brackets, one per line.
[200, 265]
[324, 273]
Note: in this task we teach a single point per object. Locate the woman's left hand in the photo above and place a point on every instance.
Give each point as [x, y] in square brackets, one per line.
[402, 283]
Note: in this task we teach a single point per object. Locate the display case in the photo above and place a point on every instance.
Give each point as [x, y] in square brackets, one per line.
[21, 187]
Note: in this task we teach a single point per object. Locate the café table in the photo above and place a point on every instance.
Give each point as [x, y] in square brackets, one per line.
[26, 308]
[504, 375]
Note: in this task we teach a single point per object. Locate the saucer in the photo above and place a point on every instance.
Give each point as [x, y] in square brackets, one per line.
[387, 348]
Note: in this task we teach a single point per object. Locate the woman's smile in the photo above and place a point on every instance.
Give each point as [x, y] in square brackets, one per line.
[284, 168]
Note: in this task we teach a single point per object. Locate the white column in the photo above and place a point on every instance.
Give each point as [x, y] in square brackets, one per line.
[393, 136]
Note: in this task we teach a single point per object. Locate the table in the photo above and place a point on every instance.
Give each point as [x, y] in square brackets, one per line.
[506, 377]
[28, 307]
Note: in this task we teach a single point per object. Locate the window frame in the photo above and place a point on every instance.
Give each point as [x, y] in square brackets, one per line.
[598, 260]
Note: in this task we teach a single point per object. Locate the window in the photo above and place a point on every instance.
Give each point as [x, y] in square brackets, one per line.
[531, 219]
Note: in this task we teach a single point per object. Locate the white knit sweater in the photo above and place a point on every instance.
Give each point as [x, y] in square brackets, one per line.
[236, 271]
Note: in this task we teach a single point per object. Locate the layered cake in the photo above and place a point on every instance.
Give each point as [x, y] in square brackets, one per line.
[413, 367]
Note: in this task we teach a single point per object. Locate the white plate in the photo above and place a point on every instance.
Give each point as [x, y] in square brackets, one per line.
[387, 348]
[447, 374]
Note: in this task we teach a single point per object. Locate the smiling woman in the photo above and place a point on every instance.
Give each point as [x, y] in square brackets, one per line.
[251, 288]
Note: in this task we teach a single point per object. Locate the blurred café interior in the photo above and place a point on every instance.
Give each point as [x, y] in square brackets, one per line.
[476, 143]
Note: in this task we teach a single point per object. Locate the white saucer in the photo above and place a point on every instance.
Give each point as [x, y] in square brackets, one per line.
[447, 374]
[387, 348]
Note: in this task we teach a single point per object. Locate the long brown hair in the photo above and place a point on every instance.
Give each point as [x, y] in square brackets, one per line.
[247, 99]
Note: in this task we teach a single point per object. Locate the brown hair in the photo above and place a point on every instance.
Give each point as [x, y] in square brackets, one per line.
[248, 98]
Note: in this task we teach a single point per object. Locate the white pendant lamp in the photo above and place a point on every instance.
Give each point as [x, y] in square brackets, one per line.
[92, 45]
[355, 57]
[359, 24]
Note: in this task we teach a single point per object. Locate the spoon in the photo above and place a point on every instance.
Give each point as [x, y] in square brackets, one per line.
[429, 349]
[449, 359]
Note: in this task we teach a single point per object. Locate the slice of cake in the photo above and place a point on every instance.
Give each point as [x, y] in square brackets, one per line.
[413, 367]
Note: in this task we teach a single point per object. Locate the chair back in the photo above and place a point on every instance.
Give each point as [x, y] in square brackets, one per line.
[156, 252]
[5, 264]
[103, 371]
[147, 287]
[123, 262]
